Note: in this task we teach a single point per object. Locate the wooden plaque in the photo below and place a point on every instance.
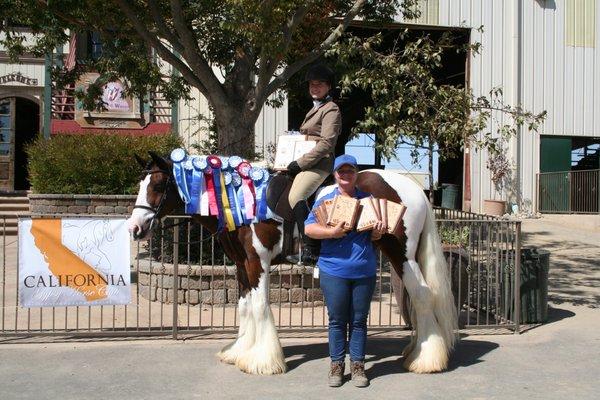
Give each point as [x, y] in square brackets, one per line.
[368, 216]
[344, 209]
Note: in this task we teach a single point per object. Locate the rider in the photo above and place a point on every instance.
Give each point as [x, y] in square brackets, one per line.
[322, 123]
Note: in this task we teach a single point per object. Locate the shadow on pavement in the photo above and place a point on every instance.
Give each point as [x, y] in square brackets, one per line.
[384, 355]
[574, 275]
[558, 314]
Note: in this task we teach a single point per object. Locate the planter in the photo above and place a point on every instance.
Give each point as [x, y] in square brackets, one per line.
[81, 204]
[209, 284]
[494, 207]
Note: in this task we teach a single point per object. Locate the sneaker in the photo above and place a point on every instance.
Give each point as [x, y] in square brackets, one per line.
[357, 370]
[336, 373]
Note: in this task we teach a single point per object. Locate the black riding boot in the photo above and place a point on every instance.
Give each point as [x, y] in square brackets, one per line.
[310, 247]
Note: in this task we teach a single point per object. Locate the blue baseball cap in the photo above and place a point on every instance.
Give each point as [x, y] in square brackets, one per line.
[343, 160]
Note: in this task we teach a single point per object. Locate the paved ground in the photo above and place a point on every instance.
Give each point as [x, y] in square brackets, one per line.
[559, 360]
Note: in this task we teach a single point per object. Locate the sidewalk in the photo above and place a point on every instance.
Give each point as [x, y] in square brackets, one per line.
[559, 360]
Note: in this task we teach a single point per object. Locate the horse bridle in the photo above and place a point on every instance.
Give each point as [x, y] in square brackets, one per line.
[156, 210]
[163, 197]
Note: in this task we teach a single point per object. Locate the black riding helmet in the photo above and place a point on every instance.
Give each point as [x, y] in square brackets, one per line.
[320, 72]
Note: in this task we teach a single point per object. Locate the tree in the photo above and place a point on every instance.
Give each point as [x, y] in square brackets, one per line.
[237, 53]
[411, 105]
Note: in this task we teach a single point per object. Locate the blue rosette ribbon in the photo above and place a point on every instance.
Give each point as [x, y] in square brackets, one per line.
[258, 178]
[178, 157]
[197, 185]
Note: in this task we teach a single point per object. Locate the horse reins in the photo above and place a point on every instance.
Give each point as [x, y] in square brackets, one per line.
[156, 210]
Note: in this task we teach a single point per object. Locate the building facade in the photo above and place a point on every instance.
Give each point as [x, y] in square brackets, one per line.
[542, 53]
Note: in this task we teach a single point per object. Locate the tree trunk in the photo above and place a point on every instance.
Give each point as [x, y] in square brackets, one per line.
[235, 134]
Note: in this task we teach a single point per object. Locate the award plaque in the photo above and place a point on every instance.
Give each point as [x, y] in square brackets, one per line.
[344, 209]
[290, 148]
[368, 216]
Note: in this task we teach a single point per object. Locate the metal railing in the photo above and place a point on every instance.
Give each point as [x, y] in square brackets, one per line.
[573, 192]
[181, 284]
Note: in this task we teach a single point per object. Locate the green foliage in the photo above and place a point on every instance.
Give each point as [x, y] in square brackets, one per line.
[91, 164]
[411, 106]
[255, 46]
[454, 235]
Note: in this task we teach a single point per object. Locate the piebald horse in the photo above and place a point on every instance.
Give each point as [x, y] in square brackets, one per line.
[416, 255]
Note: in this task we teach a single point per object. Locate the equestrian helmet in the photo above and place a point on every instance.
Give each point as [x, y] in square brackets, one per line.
[320, 72]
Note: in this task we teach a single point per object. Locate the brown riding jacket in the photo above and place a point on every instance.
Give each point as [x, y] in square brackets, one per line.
[324, 125]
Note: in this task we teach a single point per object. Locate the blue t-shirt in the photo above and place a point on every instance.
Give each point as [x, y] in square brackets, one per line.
[351, 256]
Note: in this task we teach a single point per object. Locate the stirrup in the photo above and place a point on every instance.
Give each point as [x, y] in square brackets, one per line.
[307, 259]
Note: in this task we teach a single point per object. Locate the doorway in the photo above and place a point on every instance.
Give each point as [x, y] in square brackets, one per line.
[19, 125]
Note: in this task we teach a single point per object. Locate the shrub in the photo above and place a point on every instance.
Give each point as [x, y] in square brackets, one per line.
[92, 164]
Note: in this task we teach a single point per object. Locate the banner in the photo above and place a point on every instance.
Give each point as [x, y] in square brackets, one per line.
[73, 262]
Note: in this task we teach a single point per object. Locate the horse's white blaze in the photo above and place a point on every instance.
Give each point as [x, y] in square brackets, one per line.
[139, 222]
[265, 356]
[246, 333]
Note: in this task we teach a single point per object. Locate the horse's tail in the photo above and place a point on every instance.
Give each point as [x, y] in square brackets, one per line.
[437, 275]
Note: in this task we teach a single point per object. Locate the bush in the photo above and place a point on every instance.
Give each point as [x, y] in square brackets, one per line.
[92, 164]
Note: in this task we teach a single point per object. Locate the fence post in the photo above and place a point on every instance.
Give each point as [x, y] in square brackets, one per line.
[518, 279]
[175, 277]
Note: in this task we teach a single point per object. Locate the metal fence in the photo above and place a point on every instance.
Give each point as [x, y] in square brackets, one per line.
[576, 192]
[181, 284]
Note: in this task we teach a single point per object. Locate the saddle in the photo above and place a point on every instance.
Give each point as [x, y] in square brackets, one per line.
[278, 191]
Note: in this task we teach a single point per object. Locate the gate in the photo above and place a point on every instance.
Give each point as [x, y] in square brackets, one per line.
[182, 284]
[569, 192]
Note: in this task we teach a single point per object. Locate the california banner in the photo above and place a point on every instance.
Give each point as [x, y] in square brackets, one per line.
[73, 262]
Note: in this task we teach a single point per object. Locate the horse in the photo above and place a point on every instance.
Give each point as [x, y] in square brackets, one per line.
[415, 254]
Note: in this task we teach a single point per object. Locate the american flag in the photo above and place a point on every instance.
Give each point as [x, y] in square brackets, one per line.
[65, 96]
[71, 58]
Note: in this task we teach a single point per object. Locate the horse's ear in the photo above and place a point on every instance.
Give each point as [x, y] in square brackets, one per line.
[159, 161]
[140, 160]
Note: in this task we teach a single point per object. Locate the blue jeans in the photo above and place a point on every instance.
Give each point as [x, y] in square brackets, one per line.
[348, 302]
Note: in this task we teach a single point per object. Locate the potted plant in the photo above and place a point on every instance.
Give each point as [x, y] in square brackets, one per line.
[501, 168]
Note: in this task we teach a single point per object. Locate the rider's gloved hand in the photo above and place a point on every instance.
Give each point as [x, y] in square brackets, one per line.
[293, 169]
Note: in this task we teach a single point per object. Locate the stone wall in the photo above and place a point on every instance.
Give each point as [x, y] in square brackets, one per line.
[81, 204]
[218, 284]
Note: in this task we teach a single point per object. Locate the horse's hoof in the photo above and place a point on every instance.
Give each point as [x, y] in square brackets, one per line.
[255, 366]
[430, 356]
[226, 357]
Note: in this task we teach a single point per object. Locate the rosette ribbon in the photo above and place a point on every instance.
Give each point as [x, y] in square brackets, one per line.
[246, 192]
[227, 214]
[216, 202]
[178, 157]
[197, 185]
[260, 185]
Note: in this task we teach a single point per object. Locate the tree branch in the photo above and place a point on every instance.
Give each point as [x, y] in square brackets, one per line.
[165, 53]
[162, 27]
[197, 63]
[316, 53]
[61, 15]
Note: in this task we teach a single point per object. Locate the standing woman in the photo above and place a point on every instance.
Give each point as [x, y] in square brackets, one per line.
[322, 123]
[347, 265]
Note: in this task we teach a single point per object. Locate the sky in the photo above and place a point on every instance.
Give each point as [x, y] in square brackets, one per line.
[362, 148]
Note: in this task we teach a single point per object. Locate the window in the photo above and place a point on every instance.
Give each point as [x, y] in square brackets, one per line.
[580, 24]
[5, 127]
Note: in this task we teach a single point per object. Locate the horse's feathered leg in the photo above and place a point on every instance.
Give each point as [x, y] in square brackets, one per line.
[246, 332]
[428, 350]
[265, 357]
